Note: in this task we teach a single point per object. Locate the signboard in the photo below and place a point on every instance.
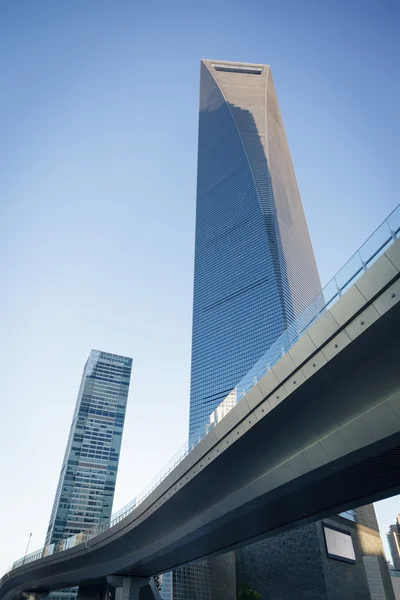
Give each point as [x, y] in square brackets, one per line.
[339, 545]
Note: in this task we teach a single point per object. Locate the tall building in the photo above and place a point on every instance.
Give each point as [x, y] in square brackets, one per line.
[86, 484]
[393, 538]
[254, 265]
[254, 273]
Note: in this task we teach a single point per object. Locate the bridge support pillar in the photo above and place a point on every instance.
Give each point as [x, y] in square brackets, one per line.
[134, 588]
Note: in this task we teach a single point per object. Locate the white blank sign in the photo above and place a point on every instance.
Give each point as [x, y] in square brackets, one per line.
[339, 544]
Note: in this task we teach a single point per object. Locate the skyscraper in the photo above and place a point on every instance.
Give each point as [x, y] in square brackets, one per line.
[393, 538]
[254, 265]
[254, 273]
[86, 484]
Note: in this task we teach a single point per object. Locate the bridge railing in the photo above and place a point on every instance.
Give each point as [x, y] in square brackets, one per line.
[369, 252]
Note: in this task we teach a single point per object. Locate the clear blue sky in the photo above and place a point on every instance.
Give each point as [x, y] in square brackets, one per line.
[99, 105]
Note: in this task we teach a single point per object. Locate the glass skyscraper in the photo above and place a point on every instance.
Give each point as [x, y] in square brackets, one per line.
[255, 272]
[86, 484]
[393, 538]
[254, 265]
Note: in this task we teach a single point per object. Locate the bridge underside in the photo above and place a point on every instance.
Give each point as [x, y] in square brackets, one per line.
[359, 391]
[332, 444]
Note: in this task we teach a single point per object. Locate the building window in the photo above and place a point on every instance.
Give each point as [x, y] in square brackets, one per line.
[349, 514]
[238, 69]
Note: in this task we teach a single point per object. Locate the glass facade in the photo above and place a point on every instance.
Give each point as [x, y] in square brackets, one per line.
[254, 266]
[255, 270]
[86, 484]
[205, 580]
[351, 515]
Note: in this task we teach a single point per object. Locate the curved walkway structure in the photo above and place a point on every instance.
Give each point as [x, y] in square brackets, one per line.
[319, 433]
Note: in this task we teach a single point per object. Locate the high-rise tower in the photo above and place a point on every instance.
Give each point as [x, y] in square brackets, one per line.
[86, 485]
[255, 272]
[254, 265]
[393, 538]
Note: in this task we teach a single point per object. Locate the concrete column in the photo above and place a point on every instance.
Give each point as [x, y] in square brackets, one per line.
[134, 588]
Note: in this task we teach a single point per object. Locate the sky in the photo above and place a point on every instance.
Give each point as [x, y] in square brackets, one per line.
[98, 150]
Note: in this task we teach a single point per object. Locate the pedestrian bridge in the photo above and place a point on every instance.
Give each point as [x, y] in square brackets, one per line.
[315, 431]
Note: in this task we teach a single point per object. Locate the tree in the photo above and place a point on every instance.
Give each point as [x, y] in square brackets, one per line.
[246, 593]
